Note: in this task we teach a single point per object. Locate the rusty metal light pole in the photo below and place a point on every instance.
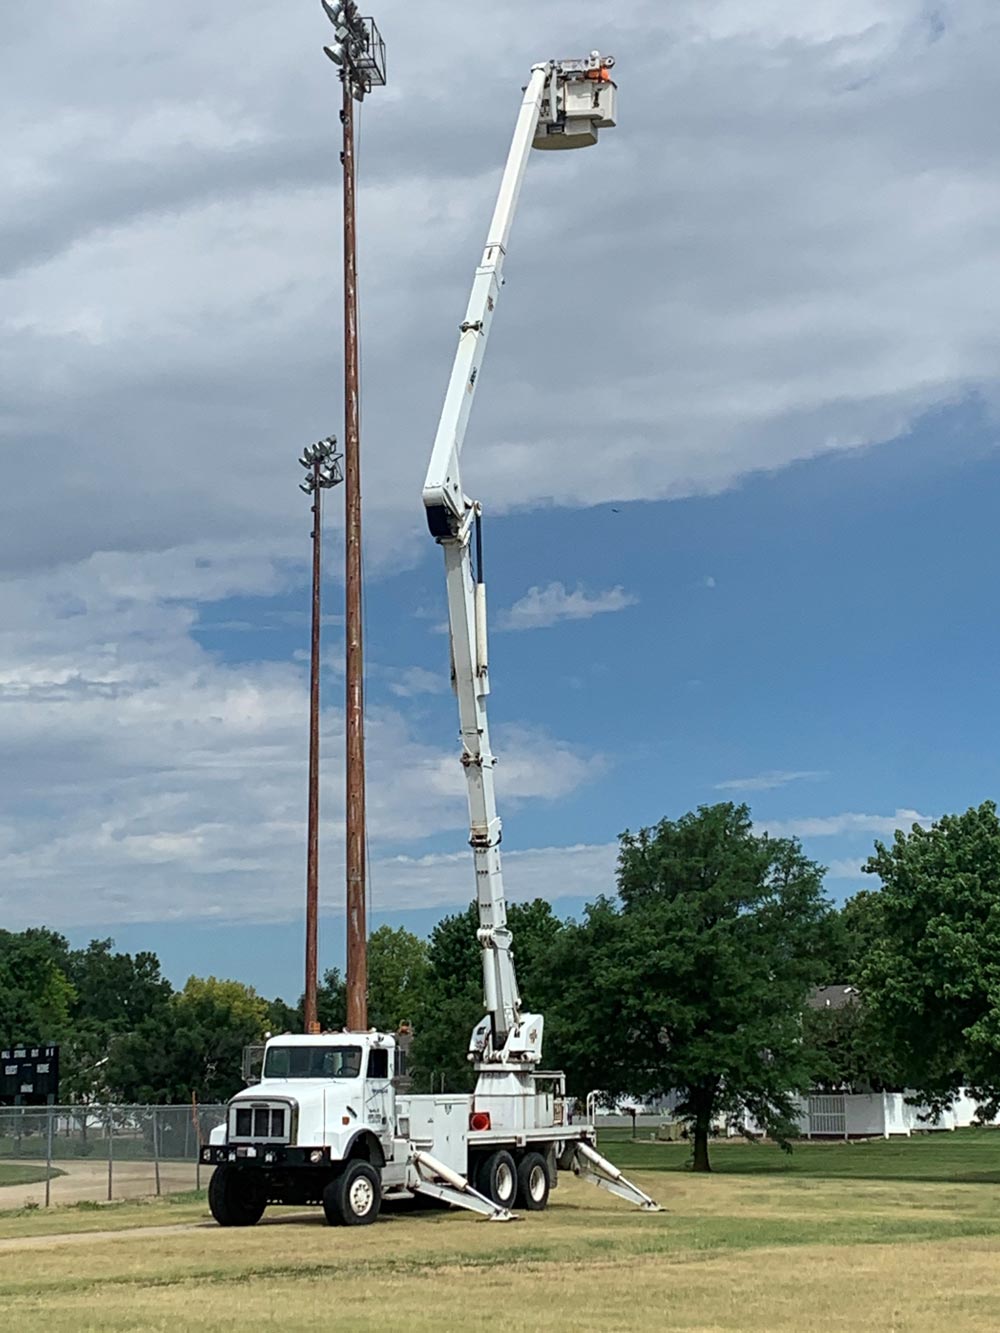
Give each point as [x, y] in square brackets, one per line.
[357, 931]
[360, 53]
[322, 463]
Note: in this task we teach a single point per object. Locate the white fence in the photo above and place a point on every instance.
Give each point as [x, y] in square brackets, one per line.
[878, 1114]
[829, 1115]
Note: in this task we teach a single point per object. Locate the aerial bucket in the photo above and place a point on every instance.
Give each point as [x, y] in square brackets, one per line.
[585, 101]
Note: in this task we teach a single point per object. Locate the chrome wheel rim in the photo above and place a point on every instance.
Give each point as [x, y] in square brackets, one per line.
[537, 1183]
[361, 1196]
[504, 1182]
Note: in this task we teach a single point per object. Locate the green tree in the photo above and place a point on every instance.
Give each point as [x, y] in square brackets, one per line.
[80, 998]
[36, 996]
[847, 1051]
[695, 981]
[397, 977]
[397, 970]
[931, 978]
[452, 1005]
[194, 1045]
[115, 991]
[331, 1001]
[861, 930]
[114, 994]
[281, 1017]
[331, 1007]
[849, 1048]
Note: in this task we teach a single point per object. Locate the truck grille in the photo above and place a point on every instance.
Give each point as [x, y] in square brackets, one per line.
[259, 1123]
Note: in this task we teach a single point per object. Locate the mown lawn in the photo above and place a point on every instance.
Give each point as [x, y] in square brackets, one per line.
[19, 1173]
[966, 1155]
[902, 1236]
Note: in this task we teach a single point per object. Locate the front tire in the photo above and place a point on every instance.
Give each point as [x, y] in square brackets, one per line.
[235, 1197]
[497, 1178]
[532, 1182]
[355, 1197]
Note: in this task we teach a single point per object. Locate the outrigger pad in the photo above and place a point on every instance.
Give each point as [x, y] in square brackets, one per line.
[588, 1164]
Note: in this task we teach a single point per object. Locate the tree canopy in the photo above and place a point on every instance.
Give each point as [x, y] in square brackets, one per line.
[191, 1047]
[931, 975]
[397, 977]
[848, 1051]
[691, 980]
[124, 1033]
[696, 979]
[36, 996]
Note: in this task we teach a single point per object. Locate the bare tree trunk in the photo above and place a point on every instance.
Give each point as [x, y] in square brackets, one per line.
[701, 1162]
[703, 1099]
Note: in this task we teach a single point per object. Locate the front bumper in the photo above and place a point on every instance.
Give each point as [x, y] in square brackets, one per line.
[263, 1155]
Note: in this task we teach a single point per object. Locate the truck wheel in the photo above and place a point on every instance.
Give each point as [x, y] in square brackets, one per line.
[236, 1198]
[355, 1197]
[497, 1178]
[532, 1182]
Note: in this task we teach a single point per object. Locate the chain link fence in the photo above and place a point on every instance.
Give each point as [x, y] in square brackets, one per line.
[77, 1154]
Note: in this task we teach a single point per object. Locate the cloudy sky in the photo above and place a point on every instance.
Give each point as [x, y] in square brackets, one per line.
[735, 435]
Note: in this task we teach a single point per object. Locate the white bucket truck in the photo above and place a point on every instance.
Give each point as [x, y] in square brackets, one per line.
[325, 1123]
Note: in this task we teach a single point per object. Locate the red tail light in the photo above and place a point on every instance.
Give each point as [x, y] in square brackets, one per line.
[479, 1120]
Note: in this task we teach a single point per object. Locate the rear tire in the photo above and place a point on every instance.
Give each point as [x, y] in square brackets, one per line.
[532, 1182]
[497, 1178]
[236, 1197]
[355, 1197]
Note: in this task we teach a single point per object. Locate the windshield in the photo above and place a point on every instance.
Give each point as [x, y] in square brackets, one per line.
[312, 1062]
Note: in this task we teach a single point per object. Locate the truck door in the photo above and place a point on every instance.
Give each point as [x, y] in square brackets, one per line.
[380, 1099]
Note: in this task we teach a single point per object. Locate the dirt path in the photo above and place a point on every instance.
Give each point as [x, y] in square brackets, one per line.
[139, 1232]
[88, 1181]
[85, 1237]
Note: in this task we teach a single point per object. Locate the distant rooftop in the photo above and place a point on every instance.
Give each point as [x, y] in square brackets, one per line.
[832, 997]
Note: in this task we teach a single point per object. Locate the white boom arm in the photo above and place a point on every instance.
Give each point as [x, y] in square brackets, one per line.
[564, 105]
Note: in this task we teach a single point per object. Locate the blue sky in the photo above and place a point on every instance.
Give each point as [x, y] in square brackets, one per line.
[735, 438]
[815, 641]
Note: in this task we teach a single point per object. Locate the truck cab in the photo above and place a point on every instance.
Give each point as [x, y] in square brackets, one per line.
[324, 1103]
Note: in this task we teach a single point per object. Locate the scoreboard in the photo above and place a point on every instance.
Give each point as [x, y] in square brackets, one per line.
[29, 1075]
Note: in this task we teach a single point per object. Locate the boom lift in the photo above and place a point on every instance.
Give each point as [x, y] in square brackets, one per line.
[566, 104]
[325, 1124]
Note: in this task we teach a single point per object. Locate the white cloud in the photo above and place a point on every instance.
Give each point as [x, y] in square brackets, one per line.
[754, 309]
[845, 868]
[533, 764]
[144, 779]
[408, 682]
[447, 880]
[833, 826]
[768, 781]
[541, 607]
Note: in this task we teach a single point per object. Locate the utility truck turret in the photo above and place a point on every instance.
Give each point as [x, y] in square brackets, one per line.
[325, 1123]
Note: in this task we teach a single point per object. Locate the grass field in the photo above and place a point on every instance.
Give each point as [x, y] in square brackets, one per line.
[901, 1235]
[967, 1157]
[18, 1173]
